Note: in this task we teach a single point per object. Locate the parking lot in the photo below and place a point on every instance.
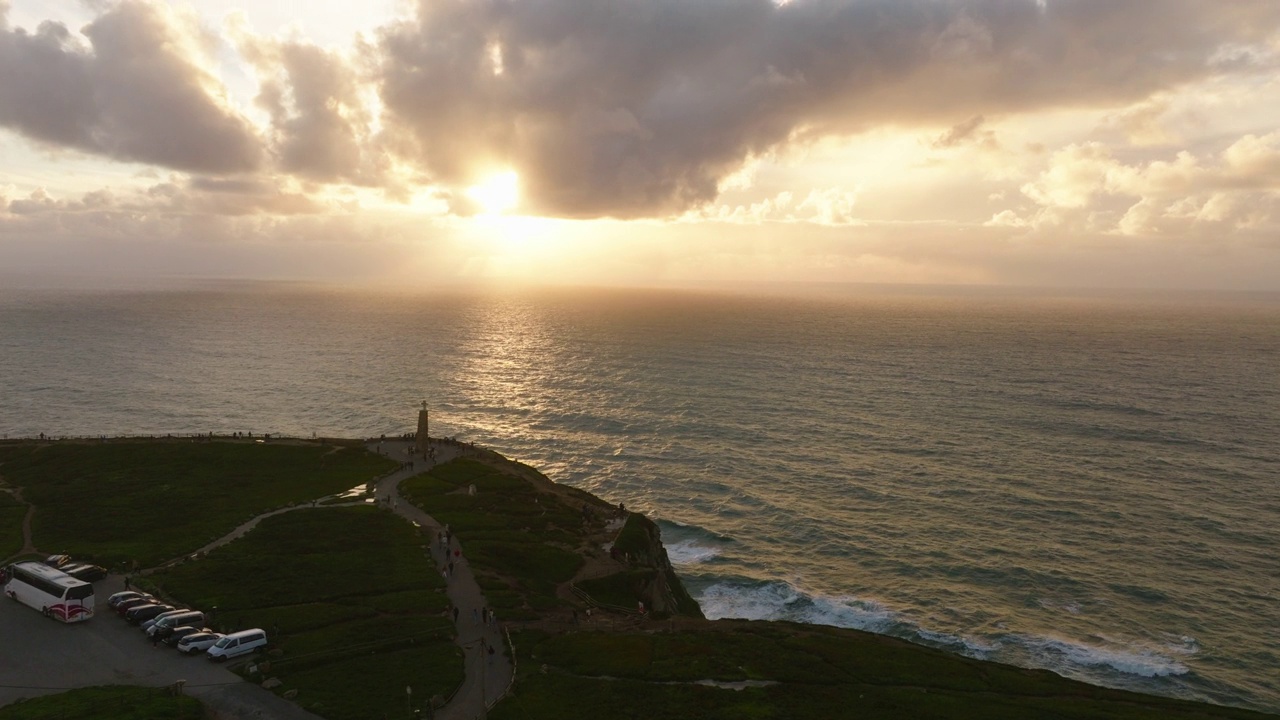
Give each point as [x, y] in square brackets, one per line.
[40, 656]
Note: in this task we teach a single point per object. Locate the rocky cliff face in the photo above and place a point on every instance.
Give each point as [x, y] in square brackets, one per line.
[648, 574]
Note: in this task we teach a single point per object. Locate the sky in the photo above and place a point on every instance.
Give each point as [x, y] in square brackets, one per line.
[1042, 143]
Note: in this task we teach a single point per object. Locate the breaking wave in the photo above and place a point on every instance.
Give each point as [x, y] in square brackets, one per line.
[1099, 658]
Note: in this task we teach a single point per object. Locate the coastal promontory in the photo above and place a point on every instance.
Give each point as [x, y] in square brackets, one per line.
[398, 580]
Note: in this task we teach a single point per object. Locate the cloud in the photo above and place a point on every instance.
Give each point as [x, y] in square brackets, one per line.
[135, 94]
[177, 197]
[641, 107]
[1086, 185]
[831, 206]
[320, 121]
[966, 132]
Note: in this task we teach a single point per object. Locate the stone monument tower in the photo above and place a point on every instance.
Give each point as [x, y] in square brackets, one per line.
[423, 435]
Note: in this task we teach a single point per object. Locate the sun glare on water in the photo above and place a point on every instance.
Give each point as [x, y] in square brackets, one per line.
[497, 193]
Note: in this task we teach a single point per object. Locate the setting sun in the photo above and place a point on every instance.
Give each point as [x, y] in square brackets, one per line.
[496, 194]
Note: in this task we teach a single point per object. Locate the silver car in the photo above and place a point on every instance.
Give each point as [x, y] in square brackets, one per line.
[198, 642]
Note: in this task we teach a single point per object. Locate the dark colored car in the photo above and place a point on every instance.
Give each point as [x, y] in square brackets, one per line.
[125, 605]
[85, 572]
[146, 612]
[176, 635]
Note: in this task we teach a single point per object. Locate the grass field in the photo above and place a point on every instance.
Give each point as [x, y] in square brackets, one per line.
[352, 604]
[11, 514]
[148, 502]
[520, 543]
[801, 673]
[110, 702]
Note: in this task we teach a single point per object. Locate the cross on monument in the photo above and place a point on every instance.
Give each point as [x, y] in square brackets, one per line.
[423, 427]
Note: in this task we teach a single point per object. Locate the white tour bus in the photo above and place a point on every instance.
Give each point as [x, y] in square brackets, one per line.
[52, 592]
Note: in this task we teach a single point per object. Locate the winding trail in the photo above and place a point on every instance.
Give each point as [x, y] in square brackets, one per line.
[488, 677]
[248, 525]
[28, 547]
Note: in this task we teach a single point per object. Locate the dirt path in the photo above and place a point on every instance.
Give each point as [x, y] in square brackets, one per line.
[252, 523]
[28, 547]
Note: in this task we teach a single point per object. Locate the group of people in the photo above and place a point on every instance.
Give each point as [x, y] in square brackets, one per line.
[480, 615]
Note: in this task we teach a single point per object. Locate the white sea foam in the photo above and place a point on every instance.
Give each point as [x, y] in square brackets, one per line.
[690, 544]
[1053, 653]
[690, 552]
[781, 601]
[974, 647]
[1069, 606]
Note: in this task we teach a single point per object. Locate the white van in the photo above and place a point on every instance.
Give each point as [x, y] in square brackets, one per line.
[237, 644]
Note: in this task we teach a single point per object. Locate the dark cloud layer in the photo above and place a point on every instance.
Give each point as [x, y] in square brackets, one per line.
[639, 107]
[625, 108]
[133, 95]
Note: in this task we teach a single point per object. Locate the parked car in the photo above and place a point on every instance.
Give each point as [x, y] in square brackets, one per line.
[176, 634]
[57, 561]
[167, 622]
[146, 612]
[85, 571]
[125, 605]
[146, 625]
[120, 597]
[237, 644]
[198, 642]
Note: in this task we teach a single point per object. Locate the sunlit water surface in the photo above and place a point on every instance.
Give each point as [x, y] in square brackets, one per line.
[1084, 484]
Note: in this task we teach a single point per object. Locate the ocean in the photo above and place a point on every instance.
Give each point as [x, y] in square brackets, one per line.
[1083, 482]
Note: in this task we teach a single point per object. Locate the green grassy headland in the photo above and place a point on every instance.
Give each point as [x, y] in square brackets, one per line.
[798, 672]
[125, 502]
[113, 702]
[11, 514]
[352, 603]
[521, 543]
[356, 610]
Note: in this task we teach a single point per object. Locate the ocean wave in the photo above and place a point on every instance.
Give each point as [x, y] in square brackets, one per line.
[690, 552]
[1064, 656]
[778, 600]
[690, 544]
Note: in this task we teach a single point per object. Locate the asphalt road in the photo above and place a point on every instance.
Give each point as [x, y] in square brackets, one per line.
[40, 656]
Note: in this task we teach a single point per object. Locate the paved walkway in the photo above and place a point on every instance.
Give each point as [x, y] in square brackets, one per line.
[487, 676]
